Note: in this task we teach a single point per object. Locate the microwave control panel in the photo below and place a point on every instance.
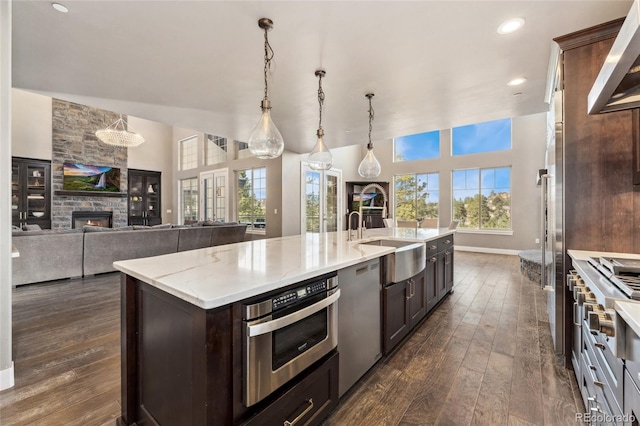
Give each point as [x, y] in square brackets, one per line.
[299, 293]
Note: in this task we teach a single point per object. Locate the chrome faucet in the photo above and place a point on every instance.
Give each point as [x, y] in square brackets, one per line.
[358, 228]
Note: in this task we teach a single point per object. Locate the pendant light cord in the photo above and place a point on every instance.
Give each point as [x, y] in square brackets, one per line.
[371, 114]
[268, 56]
[320, 99]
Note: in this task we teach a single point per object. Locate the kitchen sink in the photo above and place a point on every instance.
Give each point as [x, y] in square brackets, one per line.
[408, 260]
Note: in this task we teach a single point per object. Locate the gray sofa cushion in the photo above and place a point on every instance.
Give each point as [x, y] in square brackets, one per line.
[194, 238]
[162, 226]
[101, 249]
[47, 255]
[92, 228]
[227, 234]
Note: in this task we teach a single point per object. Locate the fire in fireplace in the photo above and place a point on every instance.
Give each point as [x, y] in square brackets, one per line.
[100, 218]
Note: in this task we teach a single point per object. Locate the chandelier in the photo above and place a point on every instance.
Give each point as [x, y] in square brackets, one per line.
[117, 135]
[265, 140]
[320, 156]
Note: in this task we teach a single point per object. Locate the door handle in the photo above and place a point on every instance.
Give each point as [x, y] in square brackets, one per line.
[301, 415]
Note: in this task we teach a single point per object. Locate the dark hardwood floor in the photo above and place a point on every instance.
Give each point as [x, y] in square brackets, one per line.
[483, 357]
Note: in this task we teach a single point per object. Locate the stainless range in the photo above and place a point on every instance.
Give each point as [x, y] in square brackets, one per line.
[599, 335]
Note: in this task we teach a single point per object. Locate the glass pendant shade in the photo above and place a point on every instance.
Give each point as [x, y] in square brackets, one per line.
[117, 135]
[369, 166]
[265, 140]
[320, 157]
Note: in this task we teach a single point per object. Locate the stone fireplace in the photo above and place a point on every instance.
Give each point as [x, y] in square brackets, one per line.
[100, 218]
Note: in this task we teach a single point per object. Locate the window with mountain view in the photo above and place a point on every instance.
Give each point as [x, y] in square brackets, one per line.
[252, 198]
[482, 198]
[420, 146]
[416, 196]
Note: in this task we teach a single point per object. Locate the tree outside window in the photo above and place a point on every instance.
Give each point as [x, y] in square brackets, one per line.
[252, 198]
[416, 196]
[482, 198]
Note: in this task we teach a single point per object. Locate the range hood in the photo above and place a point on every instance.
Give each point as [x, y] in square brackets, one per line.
[617, 86]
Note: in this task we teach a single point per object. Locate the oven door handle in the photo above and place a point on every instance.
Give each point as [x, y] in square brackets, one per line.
[269, 326]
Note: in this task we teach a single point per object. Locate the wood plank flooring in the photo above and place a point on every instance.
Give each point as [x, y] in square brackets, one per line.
[484, 357]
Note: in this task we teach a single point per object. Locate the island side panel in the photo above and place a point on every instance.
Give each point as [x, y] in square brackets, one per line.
[178, 359]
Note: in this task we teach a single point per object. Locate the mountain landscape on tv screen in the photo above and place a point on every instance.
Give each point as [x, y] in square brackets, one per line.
[81, 177]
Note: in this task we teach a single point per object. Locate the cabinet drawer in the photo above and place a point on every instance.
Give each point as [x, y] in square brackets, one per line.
[432, 248]
[307, 402]
[445, 243]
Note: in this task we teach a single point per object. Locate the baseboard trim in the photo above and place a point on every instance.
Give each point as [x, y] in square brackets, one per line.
[487, 250]
[6, 378]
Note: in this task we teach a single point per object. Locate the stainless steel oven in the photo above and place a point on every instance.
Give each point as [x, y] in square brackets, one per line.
[286, 333]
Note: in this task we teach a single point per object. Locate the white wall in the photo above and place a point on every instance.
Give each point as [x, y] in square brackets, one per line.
[6, 359]
[525, 158]
[31, 117]
[155, 154]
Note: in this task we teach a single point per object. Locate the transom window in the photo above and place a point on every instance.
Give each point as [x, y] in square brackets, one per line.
[215, 149]
[189, 153]
[482, 198]
[417, 147]
[482, 137]
[252, 198]
[416, 196]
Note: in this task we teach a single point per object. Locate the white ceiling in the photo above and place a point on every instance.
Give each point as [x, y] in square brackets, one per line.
[198, 64]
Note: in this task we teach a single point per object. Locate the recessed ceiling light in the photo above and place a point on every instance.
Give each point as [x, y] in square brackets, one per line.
[60, 7]
[507, 27]
[517, 81]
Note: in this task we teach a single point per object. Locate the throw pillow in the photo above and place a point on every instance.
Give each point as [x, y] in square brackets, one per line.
[16, 228]
[31, 228]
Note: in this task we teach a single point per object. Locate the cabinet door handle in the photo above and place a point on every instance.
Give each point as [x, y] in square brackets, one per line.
[577, 324]
[362, 270]
[433, 260]
[599, 345]
[301, 415]
[447, 241]
[433, 247]
[599, 384]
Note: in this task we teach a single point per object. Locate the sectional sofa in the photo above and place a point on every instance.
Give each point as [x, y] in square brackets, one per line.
[55, 254]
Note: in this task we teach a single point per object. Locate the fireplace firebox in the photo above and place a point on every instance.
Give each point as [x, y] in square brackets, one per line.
[100, 218]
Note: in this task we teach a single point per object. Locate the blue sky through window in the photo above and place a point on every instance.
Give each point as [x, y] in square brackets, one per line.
[417, 147]
[481, 137]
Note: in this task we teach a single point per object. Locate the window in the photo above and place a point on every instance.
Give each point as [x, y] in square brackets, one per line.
[216, 149]
[252, 197]
[416, 196]
[481, 137]
[189, 199]
[482, 198]
[243, 150]
[189, 153]
[417, 147]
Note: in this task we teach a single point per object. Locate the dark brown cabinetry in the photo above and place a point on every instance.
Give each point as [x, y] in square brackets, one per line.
[396, 323]
[439, 270]
[30, 192]
[636, 149]
[144, 198]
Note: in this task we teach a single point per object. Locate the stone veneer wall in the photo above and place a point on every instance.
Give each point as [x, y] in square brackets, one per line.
[74, 141]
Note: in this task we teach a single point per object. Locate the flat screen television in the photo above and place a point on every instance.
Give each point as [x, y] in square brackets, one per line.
[83, 177]
[369, 199]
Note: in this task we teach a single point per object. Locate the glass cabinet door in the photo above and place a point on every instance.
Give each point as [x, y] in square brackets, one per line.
[16, 208]
[136, 199]
[36, 184]
[152, 188]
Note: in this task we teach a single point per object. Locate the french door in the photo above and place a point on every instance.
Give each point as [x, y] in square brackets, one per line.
[214, 201]
[321, 200]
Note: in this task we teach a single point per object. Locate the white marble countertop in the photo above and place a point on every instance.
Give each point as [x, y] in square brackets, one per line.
[216, 276]
[629, 310]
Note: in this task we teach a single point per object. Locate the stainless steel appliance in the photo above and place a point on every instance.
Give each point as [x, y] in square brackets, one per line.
[287, 333]
[596, 285]
[359, 330]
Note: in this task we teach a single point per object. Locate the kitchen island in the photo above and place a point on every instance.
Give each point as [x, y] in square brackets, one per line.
[182, 329]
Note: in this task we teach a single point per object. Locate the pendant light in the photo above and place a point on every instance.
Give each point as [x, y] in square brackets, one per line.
[320, 156]
[369, 166]
[265, 140]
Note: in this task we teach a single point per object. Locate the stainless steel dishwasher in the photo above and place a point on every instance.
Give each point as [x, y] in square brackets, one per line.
[359, 327]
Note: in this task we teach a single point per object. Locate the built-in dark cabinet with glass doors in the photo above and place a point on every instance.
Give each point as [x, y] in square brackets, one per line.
[30, 192]
[144, 197]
